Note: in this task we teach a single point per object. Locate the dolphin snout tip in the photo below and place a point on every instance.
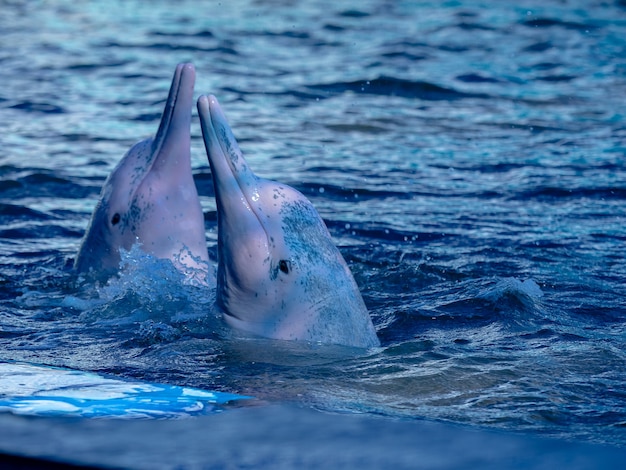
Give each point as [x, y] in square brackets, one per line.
[207, 103]
[186, 66]
[203, 104]
[188, 71]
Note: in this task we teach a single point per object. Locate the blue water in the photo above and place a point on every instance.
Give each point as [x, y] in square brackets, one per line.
[467, 156]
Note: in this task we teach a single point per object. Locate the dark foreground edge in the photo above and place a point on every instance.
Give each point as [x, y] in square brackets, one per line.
[17, 462]
[276, 437]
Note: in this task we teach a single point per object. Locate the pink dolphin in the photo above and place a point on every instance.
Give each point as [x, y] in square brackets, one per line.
[279, 274]
[150, 197]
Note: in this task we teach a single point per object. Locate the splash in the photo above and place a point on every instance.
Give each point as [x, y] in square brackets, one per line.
[151, 278]
[151, 300]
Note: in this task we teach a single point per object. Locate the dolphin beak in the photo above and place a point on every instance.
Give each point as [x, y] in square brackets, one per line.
[234, 182]
[173, 137]
[241, 235]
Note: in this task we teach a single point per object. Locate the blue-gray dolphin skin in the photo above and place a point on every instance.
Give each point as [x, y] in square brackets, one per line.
[150, 197]
[279, 274]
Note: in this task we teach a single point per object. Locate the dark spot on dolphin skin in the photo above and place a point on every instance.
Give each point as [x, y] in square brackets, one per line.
[284, 265]
[305, 234]
[228, 139]
[311, 247]
[136, 214]
[115, 219]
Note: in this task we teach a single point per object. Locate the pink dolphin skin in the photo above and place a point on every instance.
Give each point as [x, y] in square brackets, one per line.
[150, 197]
[279, 274]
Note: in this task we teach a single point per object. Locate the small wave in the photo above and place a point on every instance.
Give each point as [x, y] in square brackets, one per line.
[146, 117]
[541, 46]
[21, 212]
[171, 47]
[528, 288]
[475, 302]
[38, 107]
[89, 66]
[404, 55]
[476, 78]
[553, 192]
[552, 22]
[468, 26]
[34, 183]
[556, 78]
[198, 34]
[387, 234]
[353, 14]
[510, 295]
[8, 185]
[391, 86]
[341, 193]
[37, 232]
[360, 128]
[287, 34]
[546, 65]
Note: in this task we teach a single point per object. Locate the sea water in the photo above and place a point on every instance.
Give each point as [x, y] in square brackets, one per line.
[467, 157]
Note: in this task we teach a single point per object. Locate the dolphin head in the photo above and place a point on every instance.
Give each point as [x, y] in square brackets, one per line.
[150, 197]
[279, 273]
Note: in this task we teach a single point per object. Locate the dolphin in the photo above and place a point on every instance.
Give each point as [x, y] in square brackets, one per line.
[279, 274]
[150, 197]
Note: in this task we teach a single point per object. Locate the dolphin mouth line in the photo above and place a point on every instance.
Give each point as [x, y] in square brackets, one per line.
[234, 174]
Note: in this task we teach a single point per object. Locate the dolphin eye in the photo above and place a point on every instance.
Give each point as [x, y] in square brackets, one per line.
[115, 219]
[284, 265]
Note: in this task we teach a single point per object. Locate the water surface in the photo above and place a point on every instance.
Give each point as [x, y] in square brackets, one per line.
[467, 156]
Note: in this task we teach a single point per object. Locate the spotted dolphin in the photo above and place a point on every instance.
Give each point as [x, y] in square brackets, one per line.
[279, 274]
[150, 197]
